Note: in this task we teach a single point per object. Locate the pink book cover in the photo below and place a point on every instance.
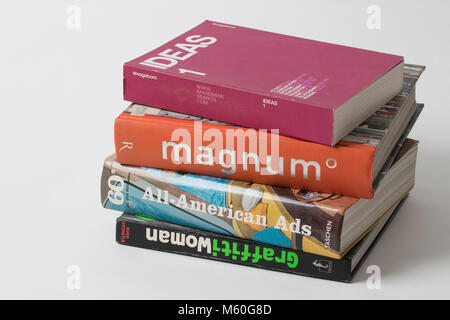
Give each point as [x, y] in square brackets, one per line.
[253, 78]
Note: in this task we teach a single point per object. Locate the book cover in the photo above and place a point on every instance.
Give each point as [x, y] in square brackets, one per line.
[152, 137]
[287, 217]
[147, 233]
[258, 79]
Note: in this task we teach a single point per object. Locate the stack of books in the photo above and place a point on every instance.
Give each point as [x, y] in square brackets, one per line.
[262, 149]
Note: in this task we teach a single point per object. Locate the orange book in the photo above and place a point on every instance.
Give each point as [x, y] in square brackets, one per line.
[152, 137]
[170, 143]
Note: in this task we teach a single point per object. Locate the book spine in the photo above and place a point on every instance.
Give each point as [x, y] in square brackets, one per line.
[285, 217]
[171, 238]
[244, 154]
[188, 94]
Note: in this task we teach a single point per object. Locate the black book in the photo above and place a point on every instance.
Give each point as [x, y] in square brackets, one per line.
[147, 233]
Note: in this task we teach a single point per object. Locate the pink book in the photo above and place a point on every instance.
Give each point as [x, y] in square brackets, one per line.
[306, 89]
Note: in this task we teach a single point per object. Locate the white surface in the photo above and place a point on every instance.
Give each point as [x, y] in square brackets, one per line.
[61, 90]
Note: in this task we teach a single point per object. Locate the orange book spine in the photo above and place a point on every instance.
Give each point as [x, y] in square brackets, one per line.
[227, 151]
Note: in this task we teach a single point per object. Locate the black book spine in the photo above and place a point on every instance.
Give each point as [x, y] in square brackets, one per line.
[161, 236]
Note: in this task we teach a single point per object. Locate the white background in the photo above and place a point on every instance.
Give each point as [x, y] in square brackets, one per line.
[61, 90]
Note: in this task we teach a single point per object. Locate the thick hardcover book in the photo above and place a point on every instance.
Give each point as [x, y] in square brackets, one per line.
[316, 222]
[157, 235]
[307, 89]
[151, 137]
